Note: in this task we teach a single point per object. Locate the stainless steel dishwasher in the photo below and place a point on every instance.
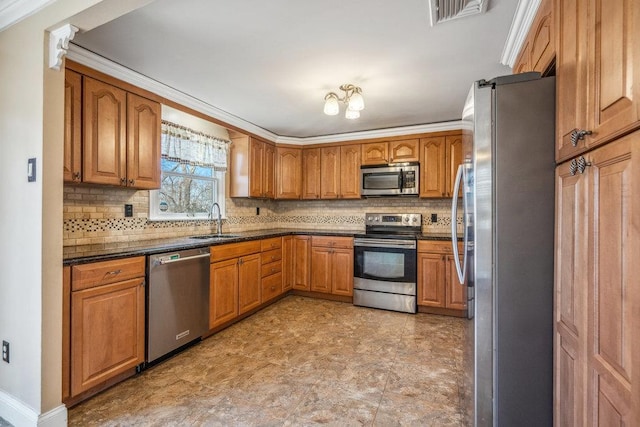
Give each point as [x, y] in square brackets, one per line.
[178, 300]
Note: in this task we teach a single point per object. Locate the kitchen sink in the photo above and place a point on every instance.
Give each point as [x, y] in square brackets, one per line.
[215, 236]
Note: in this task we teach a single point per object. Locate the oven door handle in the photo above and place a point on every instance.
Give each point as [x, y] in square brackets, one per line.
[384, 243]
[460, 270]
[401, 180]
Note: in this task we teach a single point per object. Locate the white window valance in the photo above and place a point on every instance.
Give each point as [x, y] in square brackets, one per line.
[184, 145]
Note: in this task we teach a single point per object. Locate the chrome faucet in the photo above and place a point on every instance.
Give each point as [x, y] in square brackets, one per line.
[219, 230]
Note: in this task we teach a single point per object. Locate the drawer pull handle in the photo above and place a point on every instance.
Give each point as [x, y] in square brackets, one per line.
[273, 258]
[273, 270]
[113, 273]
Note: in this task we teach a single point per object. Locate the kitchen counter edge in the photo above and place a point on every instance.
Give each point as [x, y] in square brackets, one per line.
[150, 247]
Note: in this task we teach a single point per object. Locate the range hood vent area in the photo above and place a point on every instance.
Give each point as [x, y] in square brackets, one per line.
[446, 10]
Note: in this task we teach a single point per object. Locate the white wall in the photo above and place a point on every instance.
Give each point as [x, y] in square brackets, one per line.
[31, 213]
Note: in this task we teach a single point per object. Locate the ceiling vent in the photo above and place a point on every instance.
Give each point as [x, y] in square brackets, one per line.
[446, 10]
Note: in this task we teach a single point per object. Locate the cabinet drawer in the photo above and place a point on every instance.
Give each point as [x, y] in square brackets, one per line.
[101, 273]
[271, 256]
[269, 244]
[234, 250]
[271, 286]
[437, 246]
[271, 268]
[332, 241]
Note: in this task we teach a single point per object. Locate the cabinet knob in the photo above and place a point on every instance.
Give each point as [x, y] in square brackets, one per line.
[76, 176]
[123, 181]
[273, 258]
[273, 270]
[240, 262]
[582, 164]
[132, 181]
[578, 134]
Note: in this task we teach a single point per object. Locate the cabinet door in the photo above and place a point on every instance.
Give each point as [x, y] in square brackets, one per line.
[143, 143]
[456, 294]
[613, 291]
[350, 172]
[311, 173]
[570, 317]
[256, 156]
[72, 126]
[453, 160]
[541, 35]
[321, 273]
[614, 70]
[301, 263]
[432, 171]
[407, 150]
[287, 263]
[375, 153]
[249, 287]
[431, 279]
[571, 76]
[223, 292]
[330, 172]
[268, 169]
[342, 272]
[104, 146]
[107, 332]
[523, 62]
[288, 173]
[66, 332]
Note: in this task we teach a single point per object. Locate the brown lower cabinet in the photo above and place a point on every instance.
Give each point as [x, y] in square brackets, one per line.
[235, 286]
[104, 311]
[438, 284]
[332, 265]
[597, 344]
[301, 263]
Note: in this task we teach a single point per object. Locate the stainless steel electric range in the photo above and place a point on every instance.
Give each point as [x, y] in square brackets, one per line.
[384, 262]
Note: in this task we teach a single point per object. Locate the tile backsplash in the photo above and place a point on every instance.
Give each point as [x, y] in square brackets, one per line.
[95, 215]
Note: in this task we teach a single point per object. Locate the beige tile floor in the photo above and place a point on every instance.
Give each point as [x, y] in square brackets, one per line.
[303, 362]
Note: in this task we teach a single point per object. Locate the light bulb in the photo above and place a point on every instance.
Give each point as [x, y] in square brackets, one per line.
[351, 114]
[331, 106]
[356, 102]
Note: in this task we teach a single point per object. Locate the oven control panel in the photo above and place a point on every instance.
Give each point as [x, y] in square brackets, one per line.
[393, 220]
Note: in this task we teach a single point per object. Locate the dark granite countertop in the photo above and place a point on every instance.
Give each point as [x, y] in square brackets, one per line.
[147, 247]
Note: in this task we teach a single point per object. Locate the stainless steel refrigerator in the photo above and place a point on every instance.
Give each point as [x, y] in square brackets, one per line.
[507, 182]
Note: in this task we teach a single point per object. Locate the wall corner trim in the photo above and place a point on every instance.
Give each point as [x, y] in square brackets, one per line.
[522, 20]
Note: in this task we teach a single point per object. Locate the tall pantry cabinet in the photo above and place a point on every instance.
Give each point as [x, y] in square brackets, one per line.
[597, 308]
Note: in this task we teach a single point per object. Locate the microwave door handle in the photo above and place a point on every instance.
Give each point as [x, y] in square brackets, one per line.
[401, 180]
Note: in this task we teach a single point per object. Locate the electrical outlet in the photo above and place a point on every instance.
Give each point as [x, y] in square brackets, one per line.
[257, 211]
[5, 351]
[128, 210]
[434, 218]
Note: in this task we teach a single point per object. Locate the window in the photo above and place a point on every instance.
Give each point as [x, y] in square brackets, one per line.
[193, 169]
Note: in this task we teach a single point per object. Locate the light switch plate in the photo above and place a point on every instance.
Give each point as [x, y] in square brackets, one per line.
[31, 169]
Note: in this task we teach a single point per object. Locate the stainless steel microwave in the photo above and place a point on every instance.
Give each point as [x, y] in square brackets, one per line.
[398, 179]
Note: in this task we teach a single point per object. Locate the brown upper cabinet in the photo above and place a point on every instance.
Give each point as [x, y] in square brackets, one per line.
[288, 173]
[340, 172]
[439, 160]
[598, 63]
[538, 50]
[252, 167]
[377, 153]
[117, 141]
[311, 173]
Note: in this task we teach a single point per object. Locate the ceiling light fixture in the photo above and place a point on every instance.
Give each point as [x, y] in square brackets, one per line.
[352, 97]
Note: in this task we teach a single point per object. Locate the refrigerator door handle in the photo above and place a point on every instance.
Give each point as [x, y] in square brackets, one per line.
[461, 270]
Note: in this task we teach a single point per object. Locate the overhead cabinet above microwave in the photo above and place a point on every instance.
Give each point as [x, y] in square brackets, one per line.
[111, 136]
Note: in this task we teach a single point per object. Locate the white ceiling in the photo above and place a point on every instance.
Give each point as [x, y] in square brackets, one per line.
[270, 63]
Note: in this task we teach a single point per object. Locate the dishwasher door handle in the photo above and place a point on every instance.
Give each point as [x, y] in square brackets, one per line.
[169, 260]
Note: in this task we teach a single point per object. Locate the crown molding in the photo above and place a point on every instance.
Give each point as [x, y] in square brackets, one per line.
[104, 65]
[14, 11]
[520, 25]
[370, 134]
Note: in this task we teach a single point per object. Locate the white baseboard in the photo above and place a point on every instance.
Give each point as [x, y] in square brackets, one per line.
[21, 415]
